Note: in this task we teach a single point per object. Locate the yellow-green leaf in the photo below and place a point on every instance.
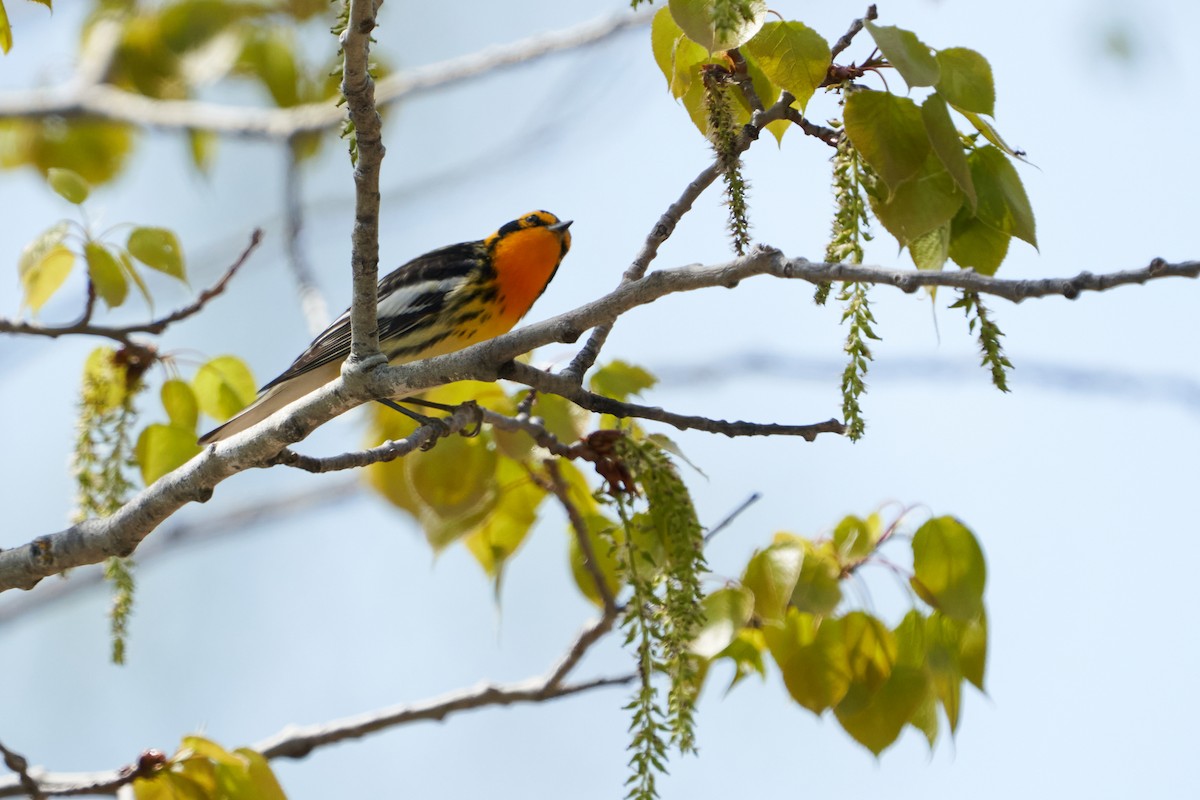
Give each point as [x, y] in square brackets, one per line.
[811, 654]
[909, 55]
[68, 184]
[601, 530]
[870, 649]
[505, 528]
[202, 146]
[269, 55]
[45, 276]
[5, 30]
[157, 248]
[949, 564]
[793, 56]
[930, 251]
[223, 387]
[875, 718]
[621, 380]
[699, 21]
[854, 538]
[674, 53]
[262, 781]
[162, 448]
[131, 272]
[95, 149]
[726, 612]
[818, 589]
[106, 378]
[771, 576]
[456, 477]
[889, 133]
[179, 401]
[989, 132]
[972, 653]
[106, 274]
[966, 80]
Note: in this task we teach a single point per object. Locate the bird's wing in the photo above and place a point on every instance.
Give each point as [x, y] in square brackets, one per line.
[409, 297]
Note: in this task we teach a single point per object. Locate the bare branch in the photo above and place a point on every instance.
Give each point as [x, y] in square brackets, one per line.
[312, 302]
[123, 334]
[104, 101]
[566, 387]
[731, 516]
[856, 26]
[464, 417]
[359, 89]
[299, 742]
[93, 540]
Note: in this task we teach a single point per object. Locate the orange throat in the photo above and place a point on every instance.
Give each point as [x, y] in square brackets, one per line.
[525, 262]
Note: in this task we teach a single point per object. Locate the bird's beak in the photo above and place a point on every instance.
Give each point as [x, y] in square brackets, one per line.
[560, 226]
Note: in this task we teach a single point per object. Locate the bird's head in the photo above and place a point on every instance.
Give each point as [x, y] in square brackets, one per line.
[534, 227]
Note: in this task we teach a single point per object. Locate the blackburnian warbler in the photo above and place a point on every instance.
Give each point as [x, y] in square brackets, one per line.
[437, 303]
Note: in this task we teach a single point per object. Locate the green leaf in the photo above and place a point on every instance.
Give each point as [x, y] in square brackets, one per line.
[925, 718]
[157, 248]
[621, 380]
[698, 21]
[106, 274]
[126, 262]
[854, 538]
[929, 252]
[457, 477]
[504, 530]
[771, 576]
[223, 387]
[179, 401]
[919, 205]
[44, 265]
[811, 654]
[948, 144]
[163, 448]
[972, 655]
[202, 147]
[5, 30]
[563, 418]
[1003, 203]
[674, 53]
[876, 718]
[269, 55]
[746, 652]
[93, 148]
[909, 55]
[943, 641]
[870, 649]
[966, 80]
[793, 56]
[818, 589]
[69, 185]
[726, 612]
[949, 567]
[889, 133]
[262, 782]
[977, 245]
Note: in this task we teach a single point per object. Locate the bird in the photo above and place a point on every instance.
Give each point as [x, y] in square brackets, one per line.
[437, 303]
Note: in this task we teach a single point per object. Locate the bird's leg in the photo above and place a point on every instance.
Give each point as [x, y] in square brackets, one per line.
[424, 420]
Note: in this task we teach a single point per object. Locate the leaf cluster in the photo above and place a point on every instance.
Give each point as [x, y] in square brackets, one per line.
[202, 769]
[875, 677]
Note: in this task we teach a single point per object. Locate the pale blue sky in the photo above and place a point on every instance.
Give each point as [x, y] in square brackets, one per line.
[1079, 484]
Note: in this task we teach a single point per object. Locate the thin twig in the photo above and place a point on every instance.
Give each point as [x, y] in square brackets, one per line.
[312, 302]
[559, 487]
[731, 516]
[856, 26]
[123, 334]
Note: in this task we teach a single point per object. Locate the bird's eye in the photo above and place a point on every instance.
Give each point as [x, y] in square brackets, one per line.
[533, 219]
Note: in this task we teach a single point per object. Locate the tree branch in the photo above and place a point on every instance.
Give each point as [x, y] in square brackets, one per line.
[103, 101]
[17, 763]
[299, 742]
[856, 26]
[359, 90]
[91, 541]
[123, 334]
[560, 489]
